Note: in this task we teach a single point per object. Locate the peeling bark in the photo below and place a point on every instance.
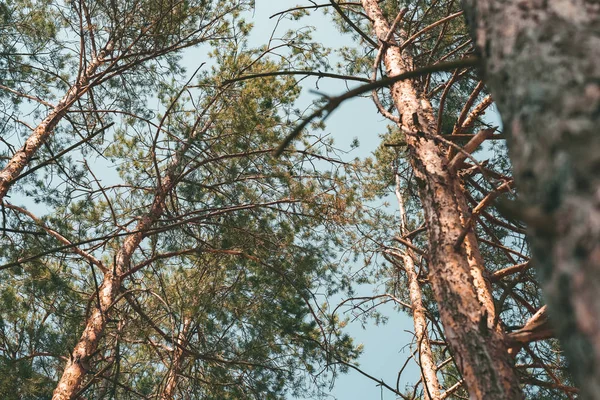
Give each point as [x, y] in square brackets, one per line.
[542, 64]
[478, 347]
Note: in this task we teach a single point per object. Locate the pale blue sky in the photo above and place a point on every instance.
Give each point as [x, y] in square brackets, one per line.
[385, 346]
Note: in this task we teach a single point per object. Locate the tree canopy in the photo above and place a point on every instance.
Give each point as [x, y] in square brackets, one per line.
[177, 224]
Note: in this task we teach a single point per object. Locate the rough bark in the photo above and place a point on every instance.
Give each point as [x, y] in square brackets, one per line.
[477, 346]
[44, 130]
[541, 62]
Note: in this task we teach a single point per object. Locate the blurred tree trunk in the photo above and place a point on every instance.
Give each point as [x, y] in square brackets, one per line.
[477, 344]
[541, 61]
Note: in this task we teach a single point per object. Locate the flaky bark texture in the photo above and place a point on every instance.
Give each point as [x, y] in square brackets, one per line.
[542, 64]
[478, 347]
[44, 130]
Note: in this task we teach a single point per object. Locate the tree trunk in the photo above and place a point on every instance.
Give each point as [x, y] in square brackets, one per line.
[88, 343]
[42, 132]
[79, 363]
[177, 362]
[478, 347]
[541, 62]
[431, 384]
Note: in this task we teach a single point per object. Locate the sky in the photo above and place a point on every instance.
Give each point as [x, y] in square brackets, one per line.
[385, 346]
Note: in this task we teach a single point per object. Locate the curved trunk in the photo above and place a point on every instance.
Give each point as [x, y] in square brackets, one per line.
[478, 348]
[542, 65]
[88, 343]
[79, 362]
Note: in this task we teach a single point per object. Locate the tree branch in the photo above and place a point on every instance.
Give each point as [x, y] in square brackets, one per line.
[335, 102]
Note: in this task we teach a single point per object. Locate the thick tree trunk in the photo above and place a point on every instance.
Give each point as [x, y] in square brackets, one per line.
[478, 347]
[42, 132]
[542, 64]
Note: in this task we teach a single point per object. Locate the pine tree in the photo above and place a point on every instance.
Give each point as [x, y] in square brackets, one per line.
[163, 251]
[541, 65]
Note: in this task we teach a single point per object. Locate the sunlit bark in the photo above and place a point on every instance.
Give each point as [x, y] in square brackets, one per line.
[478, 347]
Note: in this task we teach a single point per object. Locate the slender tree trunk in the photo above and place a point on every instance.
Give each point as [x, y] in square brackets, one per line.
[478, 348]
[44, 130]
[177, 362]
[78, 364]
[541, 62]
[431, 384]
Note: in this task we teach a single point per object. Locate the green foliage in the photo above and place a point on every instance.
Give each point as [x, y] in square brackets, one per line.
[228, 289]
[238, 250]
